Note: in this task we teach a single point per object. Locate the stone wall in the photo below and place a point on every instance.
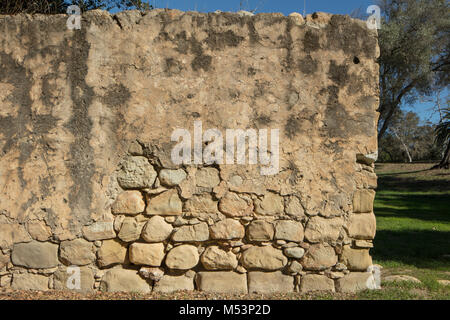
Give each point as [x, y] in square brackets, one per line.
[86, 173]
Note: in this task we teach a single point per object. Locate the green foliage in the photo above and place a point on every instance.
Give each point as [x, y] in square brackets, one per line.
[415, 53]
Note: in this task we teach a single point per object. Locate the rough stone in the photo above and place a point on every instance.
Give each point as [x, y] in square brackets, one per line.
[235, 205]
[148, 254]
[201, 203]
[11, 234]
[136, 173]
[222, 282]
[289, 231]
[265, 258]
[156, 230]
[129, 202]
[294, 207]
[171, 178]
[214, 258]
[102, 230]
[63, 280]
[269, 282]
[77, 252]
[316, 282]
[154, 274]
[39, 230]
[260, 230]
[321, 229]
[35, 255]
[355, 282]
[111, 252]
[356, 259]
[28, 281]
[319, 257]
[207, 177]
[192, 233]
[131, 230]
[182, 257]
[165, 204]
[227, 229]
[122, 280]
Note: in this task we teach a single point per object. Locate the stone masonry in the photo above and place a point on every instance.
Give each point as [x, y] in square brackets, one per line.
[87, 178]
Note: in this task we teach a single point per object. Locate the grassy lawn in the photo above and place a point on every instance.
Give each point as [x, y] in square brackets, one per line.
[412, 207]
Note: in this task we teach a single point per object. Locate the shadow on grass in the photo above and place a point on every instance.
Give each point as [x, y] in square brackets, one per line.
[420, 248]
[391, 182]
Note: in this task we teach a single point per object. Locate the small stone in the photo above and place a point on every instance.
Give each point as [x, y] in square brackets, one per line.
[135, 149]
[118, 221]
[227, 229]
[222, 282]
[271, 204]
[27, 281]
[241, 269]
[362, 244]
[266, 258]
[156, 230]
[122, 280]
[5, 281]
[244, 13]
[170, 219]
[77, 252]
[297, 18]
[296, 253]
[154, 274]
[101, 230]
[314, 283]
[295, 267]
[260, 230]
[215, 258]
[35, 255]
[129, 202]
[269, 282]
[289, 231]
[149, 254]
[136, 173]
[182, 257]
[111, 252]
[171, 178]
[165, 204]
[340, 267]
[192, 233]
[169, 284]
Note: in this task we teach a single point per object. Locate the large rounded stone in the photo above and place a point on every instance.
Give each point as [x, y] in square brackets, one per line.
[111, 252]
[129, 202]
[182, 257]
[148, 254]
[136, 173]
[227, 229]
[265, 258]
[215, 258]
[319, 257]
[77, 252]
[35, 255]
[156, 230]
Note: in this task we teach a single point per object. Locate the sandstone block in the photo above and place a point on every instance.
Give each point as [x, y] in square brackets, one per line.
[289, 231]
[111, 252]
[35, 255]
[235, 205]
[201, 203]
[63, 280]
[156, 230]
[11, 234]
[214, 258]
[102, 230]
[265, 258]
[294, 207]
[39, 230]
[182, 257]
[271, 204]
[319, 257]
[316, 282]
[77, 252]
[165, 204]
[294, 252]
[122, 280]
[227, 229]
[129, 202]
[356, 259]
[362, 226]
[130, 230]
[171, 178]
[192, 233]
[149, 254]
[269, 282]
[221, 282]
[321, 229]
[28, 281]
[207, 177]
[260, 230]
[355, 282]
[169, 284]
[363, 201]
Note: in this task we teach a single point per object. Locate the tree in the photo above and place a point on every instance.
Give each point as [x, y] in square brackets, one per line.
[443, 139]
[414, 53]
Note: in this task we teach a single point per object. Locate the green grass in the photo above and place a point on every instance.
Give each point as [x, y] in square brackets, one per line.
[412, 208]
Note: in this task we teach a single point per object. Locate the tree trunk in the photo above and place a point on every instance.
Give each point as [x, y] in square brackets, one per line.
[445, 162]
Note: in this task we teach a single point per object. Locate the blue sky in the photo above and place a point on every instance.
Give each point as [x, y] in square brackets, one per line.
[286, 7]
